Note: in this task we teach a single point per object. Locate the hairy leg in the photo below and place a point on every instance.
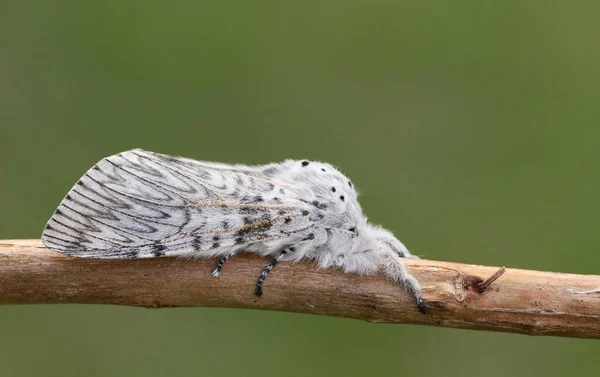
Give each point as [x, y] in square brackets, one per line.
[217, 271]
[394, 268]
[375, 249]
[299, 250]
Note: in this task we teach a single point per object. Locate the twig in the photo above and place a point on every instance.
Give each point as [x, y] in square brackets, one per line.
[521, 301]
[482, 286]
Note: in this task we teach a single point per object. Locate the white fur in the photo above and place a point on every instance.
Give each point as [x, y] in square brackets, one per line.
[118, 208]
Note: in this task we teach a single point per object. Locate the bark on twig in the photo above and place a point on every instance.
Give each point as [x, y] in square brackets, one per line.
[520, 301]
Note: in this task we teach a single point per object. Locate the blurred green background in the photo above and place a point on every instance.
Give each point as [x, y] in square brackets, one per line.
[471, 129]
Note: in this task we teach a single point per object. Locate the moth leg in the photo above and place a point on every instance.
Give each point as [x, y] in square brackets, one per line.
[395, 269]
[300, 248]
[268, 268]
[217, 271]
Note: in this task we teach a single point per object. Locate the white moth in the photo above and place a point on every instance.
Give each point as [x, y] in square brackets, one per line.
[140, 204]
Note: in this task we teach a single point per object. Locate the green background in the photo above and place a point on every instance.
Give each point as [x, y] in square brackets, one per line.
[471, 129]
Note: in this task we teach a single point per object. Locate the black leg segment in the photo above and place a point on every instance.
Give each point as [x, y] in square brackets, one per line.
[268, 268]
[217, 271]
[422, 307]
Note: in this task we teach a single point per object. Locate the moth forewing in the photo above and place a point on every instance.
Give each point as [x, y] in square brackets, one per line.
[139, 204]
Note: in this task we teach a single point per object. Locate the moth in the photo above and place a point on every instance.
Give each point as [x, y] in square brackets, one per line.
[140, 204]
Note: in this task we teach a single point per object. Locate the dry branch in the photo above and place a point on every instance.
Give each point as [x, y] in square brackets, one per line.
[520, 301]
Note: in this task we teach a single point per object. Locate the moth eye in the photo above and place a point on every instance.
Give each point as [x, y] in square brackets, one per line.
[353, 230]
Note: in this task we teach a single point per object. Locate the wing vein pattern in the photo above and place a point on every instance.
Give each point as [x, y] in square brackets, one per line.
[140, 204]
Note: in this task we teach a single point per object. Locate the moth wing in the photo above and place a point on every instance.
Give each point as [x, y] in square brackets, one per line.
[140, 204]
